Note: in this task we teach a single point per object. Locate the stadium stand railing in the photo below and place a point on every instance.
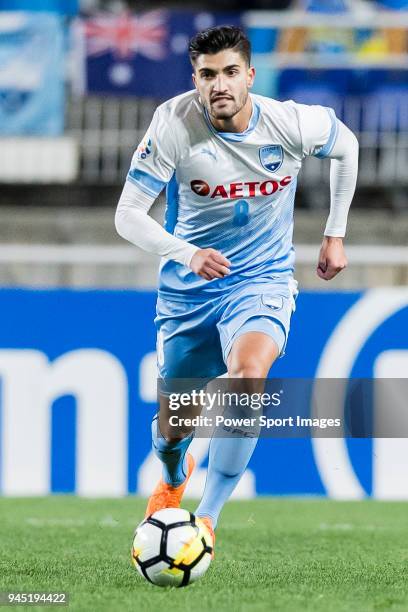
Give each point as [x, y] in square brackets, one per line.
[109, 129]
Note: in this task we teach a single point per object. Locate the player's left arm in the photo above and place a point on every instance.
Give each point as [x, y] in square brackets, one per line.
[343, 178]
[323, 135]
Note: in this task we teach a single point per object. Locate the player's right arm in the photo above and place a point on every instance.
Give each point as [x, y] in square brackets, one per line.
[152, 167]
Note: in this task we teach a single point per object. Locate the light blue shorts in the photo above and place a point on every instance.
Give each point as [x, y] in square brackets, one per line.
[194, 339]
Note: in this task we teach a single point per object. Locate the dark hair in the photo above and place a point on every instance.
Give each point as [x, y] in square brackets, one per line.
[217, 39]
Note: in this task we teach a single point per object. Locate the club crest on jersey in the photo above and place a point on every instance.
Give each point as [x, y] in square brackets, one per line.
[271, 157]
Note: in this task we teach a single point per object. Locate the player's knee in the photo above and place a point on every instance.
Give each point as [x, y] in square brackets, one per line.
[250, 368]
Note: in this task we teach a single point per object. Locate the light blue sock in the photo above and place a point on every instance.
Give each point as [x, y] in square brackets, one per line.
[171, 454]
[228, 459]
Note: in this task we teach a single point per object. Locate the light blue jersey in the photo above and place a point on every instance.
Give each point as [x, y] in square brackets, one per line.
[228, 191]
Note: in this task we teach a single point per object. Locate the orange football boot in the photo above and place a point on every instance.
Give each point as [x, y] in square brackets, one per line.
[208, 523]
[167, 496]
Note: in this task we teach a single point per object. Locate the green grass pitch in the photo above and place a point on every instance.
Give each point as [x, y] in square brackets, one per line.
[271, 554]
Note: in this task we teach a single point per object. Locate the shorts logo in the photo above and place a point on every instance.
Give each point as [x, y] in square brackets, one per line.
[201, 188]
[274, 302]
[271, 157]
[144, 149]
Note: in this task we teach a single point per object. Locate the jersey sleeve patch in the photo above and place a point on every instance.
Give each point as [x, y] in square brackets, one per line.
[327, 148]
[146, 182]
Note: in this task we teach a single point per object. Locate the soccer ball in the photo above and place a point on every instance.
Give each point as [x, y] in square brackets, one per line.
[172, 547]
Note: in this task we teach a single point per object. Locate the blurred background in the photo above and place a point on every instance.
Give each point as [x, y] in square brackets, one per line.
[79, 82]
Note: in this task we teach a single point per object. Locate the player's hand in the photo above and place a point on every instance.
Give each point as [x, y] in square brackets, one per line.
[209, 264]
[332, 258]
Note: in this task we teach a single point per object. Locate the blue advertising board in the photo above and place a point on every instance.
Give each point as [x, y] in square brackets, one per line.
[78, 385]
[64, 7]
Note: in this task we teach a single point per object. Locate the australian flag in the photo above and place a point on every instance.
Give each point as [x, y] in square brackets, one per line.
[140, 55]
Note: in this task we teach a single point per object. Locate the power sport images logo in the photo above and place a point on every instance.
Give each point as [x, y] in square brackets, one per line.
[247, 189]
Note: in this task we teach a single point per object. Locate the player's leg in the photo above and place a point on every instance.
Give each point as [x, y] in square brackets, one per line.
[170, 445]
[250, 360]
[253, 328]
[188, 350]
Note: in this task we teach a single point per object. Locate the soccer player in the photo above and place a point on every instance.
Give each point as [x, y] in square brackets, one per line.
[229, 161]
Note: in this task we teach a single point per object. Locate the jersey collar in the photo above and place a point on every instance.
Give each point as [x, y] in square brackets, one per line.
[236, 136]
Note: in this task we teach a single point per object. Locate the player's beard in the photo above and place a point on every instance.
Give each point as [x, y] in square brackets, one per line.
[225, 114]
